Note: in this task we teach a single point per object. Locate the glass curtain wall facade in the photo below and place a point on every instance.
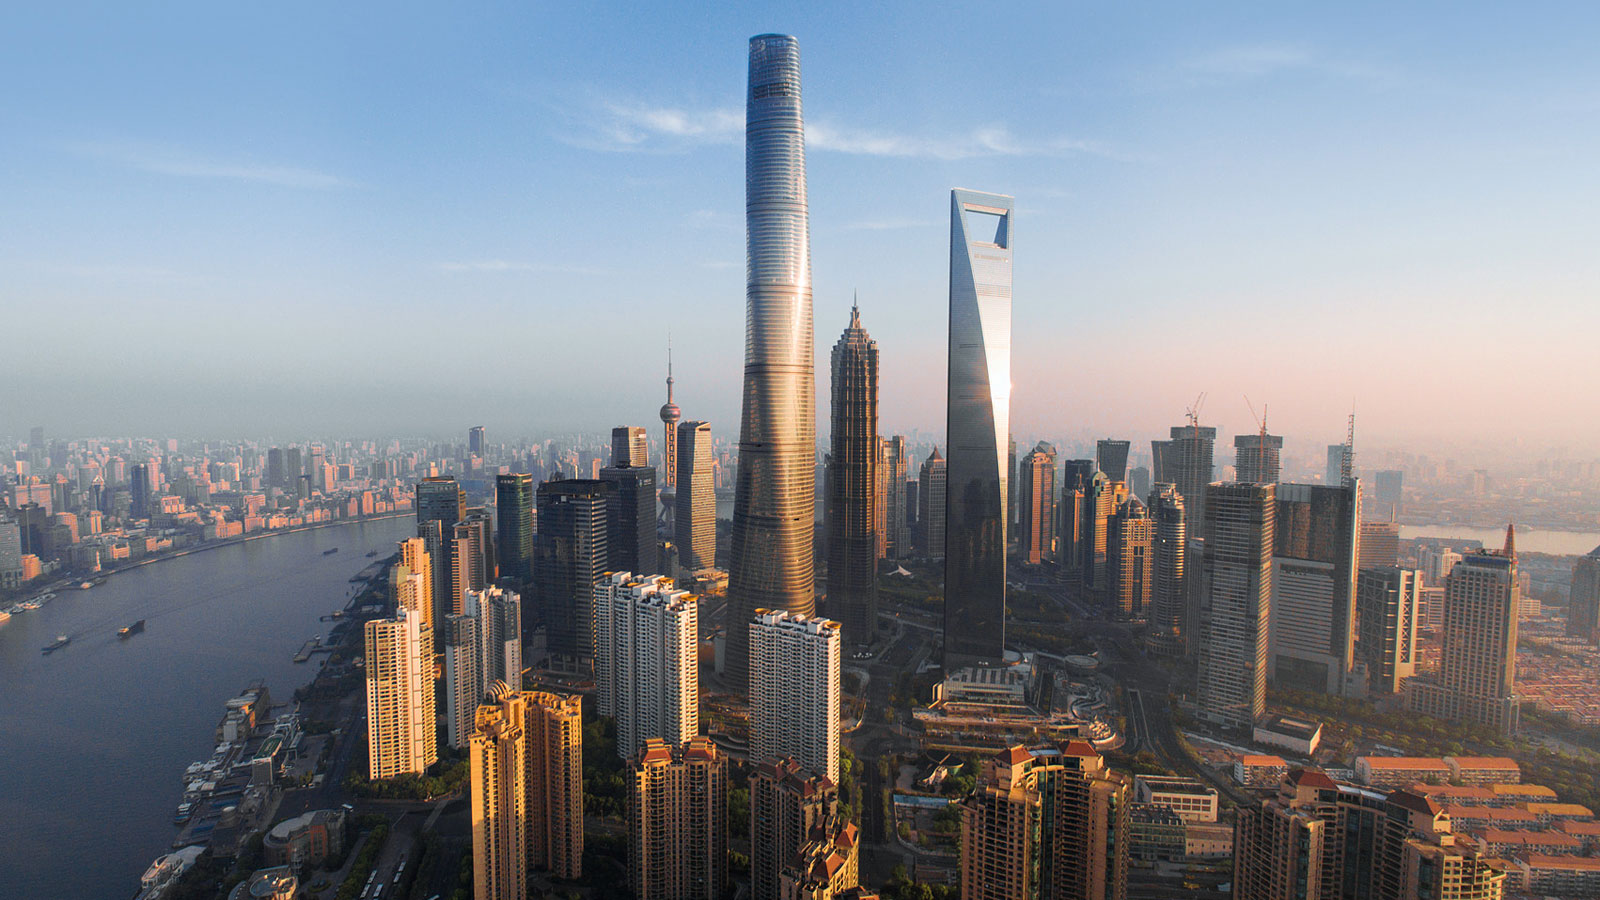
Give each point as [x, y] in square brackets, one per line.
[978, 422]
[774, 511]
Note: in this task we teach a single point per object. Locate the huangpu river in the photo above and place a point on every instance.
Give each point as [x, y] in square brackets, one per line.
[94, 738]
[1529, 540]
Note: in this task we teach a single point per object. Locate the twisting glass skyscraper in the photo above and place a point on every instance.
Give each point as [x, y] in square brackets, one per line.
[771, 565]
[978, 421]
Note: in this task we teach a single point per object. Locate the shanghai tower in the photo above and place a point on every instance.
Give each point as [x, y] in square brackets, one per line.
[771, 564]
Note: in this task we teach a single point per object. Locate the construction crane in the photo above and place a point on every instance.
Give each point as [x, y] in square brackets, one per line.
[1261, 420]
[1193, 412]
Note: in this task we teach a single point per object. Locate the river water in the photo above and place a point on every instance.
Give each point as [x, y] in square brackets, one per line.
[1529, 540]
[94, 738]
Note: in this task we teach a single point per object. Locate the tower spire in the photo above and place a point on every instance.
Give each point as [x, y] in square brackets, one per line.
[1510, 551]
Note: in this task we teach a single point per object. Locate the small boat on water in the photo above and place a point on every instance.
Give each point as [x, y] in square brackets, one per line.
[372, 554]
[130, 630]
[330, 552]
[60, 641]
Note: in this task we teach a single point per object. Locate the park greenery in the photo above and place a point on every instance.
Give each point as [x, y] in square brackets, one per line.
[362, 867]
[1570, 773]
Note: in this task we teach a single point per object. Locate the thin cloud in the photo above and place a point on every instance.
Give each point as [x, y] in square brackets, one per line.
[1251, 61]
[991, 140]
[508, 265]
[166, 160]
[639, 127]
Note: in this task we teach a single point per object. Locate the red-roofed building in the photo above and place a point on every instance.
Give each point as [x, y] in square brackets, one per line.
[1484, 769]
[1559, 876]
[1499, 842]
[1398, 771]
[1256, 770]
[1588, 832]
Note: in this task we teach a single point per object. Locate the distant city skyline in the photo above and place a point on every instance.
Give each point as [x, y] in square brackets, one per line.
[272, 246]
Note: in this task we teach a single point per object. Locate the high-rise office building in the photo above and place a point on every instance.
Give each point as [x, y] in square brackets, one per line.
[1257, 458]
[1318, 839]
[1236, 602]
[794, 690]
[1037, 496]
[440, 504]
[1312, 642]
[277, 475]
[1111, 457]
[499, 615]
[629, 447]
[895, 541]
[978, 428]
[463, 677]
[1189, 466]
[472, 557]
[852, 484]
[476, 444]
[1101, 501]
[514, 514]
[1387, 492]
[1052, 826]
[696, 516]
[1583, 611]
[1379, 545]
[1138, 482]
[1477, 676]
[1163, 468]
[526, 761]
[678, 821]
[1169, 591]
[292, 467]
[10, 554]
[932, 481]
[647, 661]
[1072, 530]
[400, 713]
[787, 804]
[1387, 605]
[1436, 562]
[140, 491]
[774, 505]
[1338, 457]
[913, 493]
[569, 557]
[1130, 559]
[631, 517]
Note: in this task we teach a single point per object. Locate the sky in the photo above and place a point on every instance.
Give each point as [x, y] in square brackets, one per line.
[303, 219]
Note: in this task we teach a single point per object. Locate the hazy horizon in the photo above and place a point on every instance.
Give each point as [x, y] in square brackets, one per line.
[242, 223]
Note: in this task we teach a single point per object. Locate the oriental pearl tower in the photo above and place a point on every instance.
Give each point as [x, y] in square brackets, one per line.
[670, 414]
